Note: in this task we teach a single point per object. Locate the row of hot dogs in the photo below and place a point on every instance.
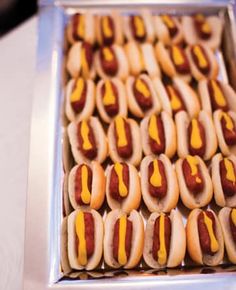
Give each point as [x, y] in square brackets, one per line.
[122, 240]
[114, 28]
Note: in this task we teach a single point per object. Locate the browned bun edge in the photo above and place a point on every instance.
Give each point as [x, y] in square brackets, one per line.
[63, 248]
[132, 201]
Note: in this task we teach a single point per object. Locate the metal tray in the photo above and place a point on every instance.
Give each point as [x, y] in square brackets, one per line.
[45, 187]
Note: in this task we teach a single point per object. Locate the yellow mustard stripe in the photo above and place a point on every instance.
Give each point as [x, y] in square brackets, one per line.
[209, 225]
[139, 26]
[195, 138]
[177, 55]
[123, 191]
[142, 88]
[122, 258]
[162, 254]
[85, 133]
[156, 179]
[80, 232]
[153, 130]
[168, 21]
[120, 130]
[106, 27]
[228, 120]
[77, 93]
[201, 57]
[219, 96]
[109, 97]
[85, 194]
[81, 26]
[108, 55]
[233, 216]
[174, 99]
[193, 162]
[230, 174]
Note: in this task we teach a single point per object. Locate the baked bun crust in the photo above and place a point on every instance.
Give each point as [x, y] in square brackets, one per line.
[228, 238]
[136, 141]
[220, 198]
[122, 100]
[224, 147]
[177, 242]
[135, 57]
[133, 199]
[98, 186]
[136, 243]
[167, 203]
[100, 140]
[191, 36]
[63, 248]
[149, 60]
[202, 198]
[182, 121]
[170, 135]
[94, 260]
[88, 109]
[193, 242]
[134, 107]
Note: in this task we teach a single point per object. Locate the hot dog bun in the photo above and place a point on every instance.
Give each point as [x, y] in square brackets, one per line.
[224, 147]
[63, 248]
[193, 242]
[122, 101]
[89, 105]
[100, 140]
[149, 60]
[168, 202]
[220, 198]
[134, 107]
[228, 238]
[133, 199]
[177, 243]
[170, 135]
[137, 238]
[135, 57]
[94, 260]
[188, 198]
[182, 122]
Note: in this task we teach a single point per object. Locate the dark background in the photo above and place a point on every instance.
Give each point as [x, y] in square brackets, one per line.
[15, 14]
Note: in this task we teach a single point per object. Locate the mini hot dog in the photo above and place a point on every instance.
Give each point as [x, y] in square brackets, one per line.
[80, 60]
[80, 99]
[165, 240]
[81, 28]
[88, 141]
[123, 187]
[139, 27]
[109, 28]
[168, 29]
[201, 29]
[216, 95]
[159, 184]
[203, 63]
[123, 239]
[111, 61]
[223, 170]
[227, 218]
[173, 61]
[111, 99]
[176, 97]
[87, 185]
[141, 57]
[85, 239]
[194, 181]
[195, 136]
[124, 141]
[158, 134]
[226, 131]
[142, 98]
[205, 241]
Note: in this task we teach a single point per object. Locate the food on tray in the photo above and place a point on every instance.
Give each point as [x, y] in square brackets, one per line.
[86, 185]
[203, 63]
[142, 97]
[226, 131]
[80, 99]
[158, 134]
[123, 239]
[81, 27]
[223, 170]
[139, 27]
[176, 97]
[227, 218]
[124, 141]
[195, 136]
[159, 184]
[173, 61]
[194, 182]
[111, 61]
[216, 95]
[205, 242]
[168, 29]
[109, 28]
[123, 187]
[141, 57]
[165, 240]
[85, 239]
[80, 60]
[111, 99]
[202, 29]
[88, 141]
